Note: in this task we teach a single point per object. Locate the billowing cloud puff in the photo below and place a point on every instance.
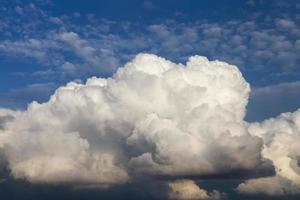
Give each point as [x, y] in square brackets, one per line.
[5, 116]
[151, 118]
[272, 186]
[281, 137]
[189, 190]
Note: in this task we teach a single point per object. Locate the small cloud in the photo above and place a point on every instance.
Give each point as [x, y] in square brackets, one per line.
[43, 73]
[149, 5]
[56, 20]
[285, 24]
[189, 190]
[68, 67]
[19, 10]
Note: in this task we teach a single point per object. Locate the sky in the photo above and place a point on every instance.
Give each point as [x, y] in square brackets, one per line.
[45, 45]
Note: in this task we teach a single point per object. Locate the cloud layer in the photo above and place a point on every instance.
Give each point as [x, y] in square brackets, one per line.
[151, 118]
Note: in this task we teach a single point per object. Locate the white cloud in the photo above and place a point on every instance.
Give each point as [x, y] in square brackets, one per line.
[6, 115]
[212, 31]
[68, 67]
[28, 48]
[155, 118]
[56, 20]
[79, 45]
[285, 24]
[281, 145]
[272, 186]
[95, 58]
[189, 190]
[265, 44]
[152, 117]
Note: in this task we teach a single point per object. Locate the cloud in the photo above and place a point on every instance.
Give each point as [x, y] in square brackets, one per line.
[56, 20]
[153, 117]
[28, 48]
[95, 58]
[272, 186]
[189, 190]
[99, 46]
[285, 24]
[68, 67]
[148, 5]
[6, 115]
[158, 119]
[80, 46]
[281, 145]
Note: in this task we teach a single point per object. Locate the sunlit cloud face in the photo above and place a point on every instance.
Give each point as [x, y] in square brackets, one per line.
[152, 118]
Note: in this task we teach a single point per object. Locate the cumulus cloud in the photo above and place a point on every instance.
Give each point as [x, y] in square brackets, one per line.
[152, 118]
[189, 190]
[272, 186]
[281, 145]
[140, 121]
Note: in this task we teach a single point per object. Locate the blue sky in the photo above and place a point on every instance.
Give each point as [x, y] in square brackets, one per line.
[44, 44]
